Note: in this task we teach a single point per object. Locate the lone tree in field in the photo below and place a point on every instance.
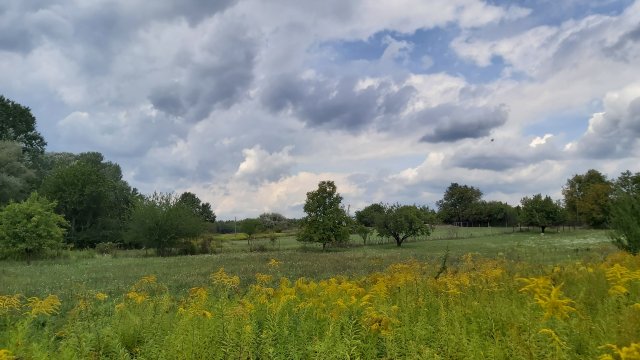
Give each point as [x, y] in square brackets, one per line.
[29, 228]
[402, 222]
[326, 221]
[539, 211]
[458, 202]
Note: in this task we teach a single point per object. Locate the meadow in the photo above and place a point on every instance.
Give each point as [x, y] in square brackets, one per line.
[472, 293]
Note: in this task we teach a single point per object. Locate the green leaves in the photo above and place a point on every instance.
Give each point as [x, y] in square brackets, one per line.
[401, 222]
[326, 221]
[29, 228]
[539, 211]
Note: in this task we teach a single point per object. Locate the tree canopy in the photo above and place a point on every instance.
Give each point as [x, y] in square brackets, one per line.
[586, 198]
[160, 221]
[92, 196]
[539, 211]
[326, 221]
[19, 125]
[203, 210]
[16, 177]
[458, 203]
[402, 222]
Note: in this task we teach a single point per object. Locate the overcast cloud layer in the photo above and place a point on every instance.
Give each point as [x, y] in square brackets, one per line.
[250, 103]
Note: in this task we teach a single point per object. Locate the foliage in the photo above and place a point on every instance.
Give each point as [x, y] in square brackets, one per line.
[369, 215]
[92, 196]
[586, 198]
[160, 221]
[401, 311]
[19, 125]
[274, 222]
[15, 175]
[326, 221]
[402, 222]
[458, 203]
[539, 211]
[203, 210]
[29, 228]
[625, 222]
[250, 226]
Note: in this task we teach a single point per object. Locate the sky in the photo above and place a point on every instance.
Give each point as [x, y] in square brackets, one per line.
[250, 103]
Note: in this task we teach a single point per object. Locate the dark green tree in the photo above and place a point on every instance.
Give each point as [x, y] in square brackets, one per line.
[161, 221]
[19, 125]
[326, 221]
[369, 214]
[624, 217]
[93, 197]
[586, 198]
[197, 206]
[539, 211]
[458, 203]
[29, 228]
[402, 222]
[16, 177]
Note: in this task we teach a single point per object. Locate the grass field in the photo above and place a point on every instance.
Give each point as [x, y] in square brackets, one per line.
[114, 275]
[502, 295]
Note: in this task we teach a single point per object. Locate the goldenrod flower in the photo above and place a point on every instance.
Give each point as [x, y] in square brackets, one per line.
[274, 263]
[47, 306]
[222, 278]
[631, 352]
[554, 304]
[555, 339]
[6, 355]
[101, 296]
[9, 303]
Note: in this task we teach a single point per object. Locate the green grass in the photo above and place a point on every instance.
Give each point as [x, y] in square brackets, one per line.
[113, 275]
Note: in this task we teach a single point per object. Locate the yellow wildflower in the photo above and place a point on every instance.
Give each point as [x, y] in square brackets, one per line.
[9, 302]
[136, 296]
[554, 304]
[222, 278]
[150, 279]
[274, 263]
[631, 352]
[47, 306]
[101, 296]
[6, 355]
[263, 278]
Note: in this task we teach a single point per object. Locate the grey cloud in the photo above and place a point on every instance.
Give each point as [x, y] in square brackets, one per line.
[335, 104]
[625, 48]
[218, 77]
[612, 134]
[452, 123]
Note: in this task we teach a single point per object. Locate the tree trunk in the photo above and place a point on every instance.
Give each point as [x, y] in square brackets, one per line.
[542, 228]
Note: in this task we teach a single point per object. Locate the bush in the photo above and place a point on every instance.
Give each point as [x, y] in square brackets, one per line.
[29, 228]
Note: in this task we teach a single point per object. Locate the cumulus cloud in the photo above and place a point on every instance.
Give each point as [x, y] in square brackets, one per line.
[259, 165]
[615, 132]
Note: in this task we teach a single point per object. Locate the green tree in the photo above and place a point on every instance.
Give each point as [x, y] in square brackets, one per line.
[625, 223]
[160, 221]
[368, 216]
[586, 198]
[15, 175]
[198, 207]
[29, 228]
[402, 222]
[539, 211]
[92, 196]
[625, 212]
[458, 203]
[250, 226]
[19, 125]
[326, 221]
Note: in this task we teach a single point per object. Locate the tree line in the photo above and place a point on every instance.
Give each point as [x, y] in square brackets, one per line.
[49, 199]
